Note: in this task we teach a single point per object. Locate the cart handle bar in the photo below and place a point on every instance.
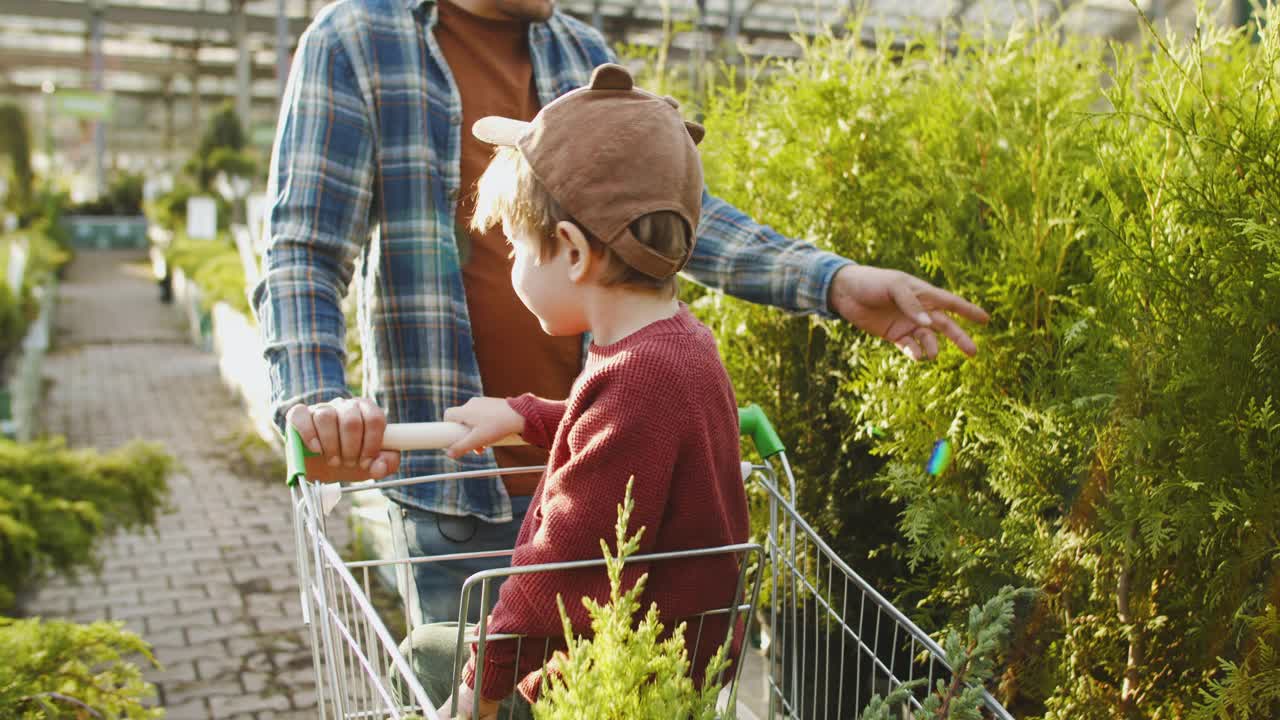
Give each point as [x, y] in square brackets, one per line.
[752, 423]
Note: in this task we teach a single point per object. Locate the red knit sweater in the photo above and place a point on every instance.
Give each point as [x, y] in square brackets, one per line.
[657, 406]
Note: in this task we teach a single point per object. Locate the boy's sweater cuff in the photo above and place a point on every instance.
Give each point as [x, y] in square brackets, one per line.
[499, 678]
[540, 418]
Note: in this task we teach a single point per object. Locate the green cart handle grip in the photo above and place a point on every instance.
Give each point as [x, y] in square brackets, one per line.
[295, 455]
[753, 422]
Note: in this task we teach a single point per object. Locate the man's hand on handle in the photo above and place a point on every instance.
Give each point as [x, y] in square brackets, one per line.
[347, 434]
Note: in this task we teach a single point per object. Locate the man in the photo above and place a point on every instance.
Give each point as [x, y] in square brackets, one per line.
[374, 165]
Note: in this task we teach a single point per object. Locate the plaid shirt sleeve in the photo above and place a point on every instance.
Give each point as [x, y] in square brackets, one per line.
[319, 189]
[735, 254]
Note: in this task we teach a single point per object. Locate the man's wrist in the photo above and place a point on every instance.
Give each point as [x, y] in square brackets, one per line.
[835, 277]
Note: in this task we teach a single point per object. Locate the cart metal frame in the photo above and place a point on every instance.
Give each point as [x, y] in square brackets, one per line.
[829, 640]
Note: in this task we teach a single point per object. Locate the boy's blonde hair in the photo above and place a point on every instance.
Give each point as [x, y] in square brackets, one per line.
[510, 194]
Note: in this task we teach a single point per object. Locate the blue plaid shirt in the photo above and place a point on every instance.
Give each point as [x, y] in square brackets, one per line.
[365, 174]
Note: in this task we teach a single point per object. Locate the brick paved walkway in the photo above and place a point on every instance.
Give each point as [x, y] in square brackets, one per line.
[213, 587]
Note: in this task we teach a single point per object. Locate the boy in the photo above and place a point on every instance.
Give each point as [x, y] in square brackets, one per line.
[599, 196]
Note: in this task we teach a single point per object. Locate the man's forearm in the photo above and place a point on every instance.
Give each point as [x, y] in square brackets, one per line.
[751, 261]
[303, 330]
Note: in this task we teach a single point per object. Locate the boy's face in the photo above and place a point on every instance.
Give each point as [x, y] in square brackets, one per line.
[545, 285]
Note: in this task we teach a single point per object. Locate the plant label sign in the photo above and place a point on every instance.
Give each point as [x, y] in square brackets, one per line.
[202, 217]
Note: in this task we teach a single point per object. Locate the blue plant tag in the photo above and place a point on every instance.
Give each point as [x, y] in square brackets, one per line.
[941, 458]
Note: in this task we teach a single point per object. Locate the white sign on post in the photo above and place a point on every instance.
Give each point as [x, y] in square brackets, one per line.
[202, 217]
[256, 212]
[17, 266]
[248, 260]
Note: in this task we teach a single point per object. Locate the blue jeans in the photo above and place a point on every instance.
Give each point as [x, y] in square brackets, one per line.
[436, 590]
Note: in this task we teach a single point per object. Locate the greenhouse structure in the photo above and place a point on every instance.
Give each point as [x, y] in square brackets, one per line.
[346, 369]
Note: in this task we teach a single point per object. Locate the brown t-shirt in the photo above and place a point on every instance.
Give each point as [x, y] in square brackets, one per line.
[491, 66]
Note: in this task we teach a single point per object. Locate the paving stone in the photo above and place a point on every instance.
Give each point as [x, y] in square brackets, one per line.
[167, 639]
[189, 710]
[173, 673]
[305, 700]
[123, 610]
[160, 623]
[219, 631]
[191, 653]
[225, 706]
[286, 624]
[214, 689]
[196, 605]
[255, 683]
[218, 668]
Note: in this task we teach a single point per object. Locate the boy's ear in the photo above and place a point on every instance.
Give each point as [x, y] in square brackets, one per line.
[582, 262]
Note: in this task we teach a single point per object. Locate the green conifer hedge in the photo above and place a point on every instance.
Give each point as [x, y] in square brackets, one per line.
[1117, 440]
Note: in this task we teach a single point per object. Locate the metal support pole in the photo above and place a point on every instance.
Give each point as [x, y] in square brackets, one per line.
[195, 88]
[99, 126]
[244, 87]
[48, 89]
[597, 17]
[169, 125]
[282, 49]
[698, 56]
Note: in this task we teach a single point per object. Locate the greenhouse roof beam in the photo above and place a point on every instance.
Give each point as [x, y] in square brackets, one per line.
[12, 58]
[147, 16]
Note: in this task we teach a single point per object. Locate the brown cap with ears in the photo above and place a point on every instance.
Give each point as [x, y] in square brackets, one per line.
[611, 153]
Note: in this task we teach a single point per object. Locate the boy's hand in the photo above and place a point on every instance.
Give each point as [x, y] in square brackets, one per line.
[348, 435]
[465, 698]
[490, 420]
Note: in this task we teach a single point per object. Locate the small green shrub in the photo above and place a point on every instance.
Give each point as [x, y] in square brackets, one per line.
[169, 211]
[15, 316]
[15, 158]
[972, 655]
[215, 266]
[625, 671]
[19, 306]
[122, 199]
[1248, 690]
[63, 671]
[56, 502]
[222, 148]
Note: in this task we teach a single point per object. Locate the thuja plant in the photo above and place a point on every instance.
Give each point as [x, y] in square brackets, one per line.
[1249, 689]
[1117, 439]
[971, 655]
[626, 670]
[962, 164]
[1183, 499]
[55, 670]
[55, 503]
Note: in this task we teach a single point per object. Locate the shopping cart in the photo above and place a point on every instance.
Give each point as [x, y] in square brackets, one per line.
[828, 640]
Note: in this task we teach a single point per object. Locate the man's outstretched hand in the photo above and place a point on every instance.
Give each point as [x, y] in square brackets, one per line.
[902, 309]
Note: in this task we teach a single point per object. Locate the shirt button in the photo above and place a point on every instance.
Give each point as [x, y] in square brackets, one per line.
[456, 119]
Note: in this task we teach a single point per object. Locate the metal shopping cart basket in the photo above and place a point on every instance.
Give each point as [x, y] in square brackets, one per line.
[829, 641]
